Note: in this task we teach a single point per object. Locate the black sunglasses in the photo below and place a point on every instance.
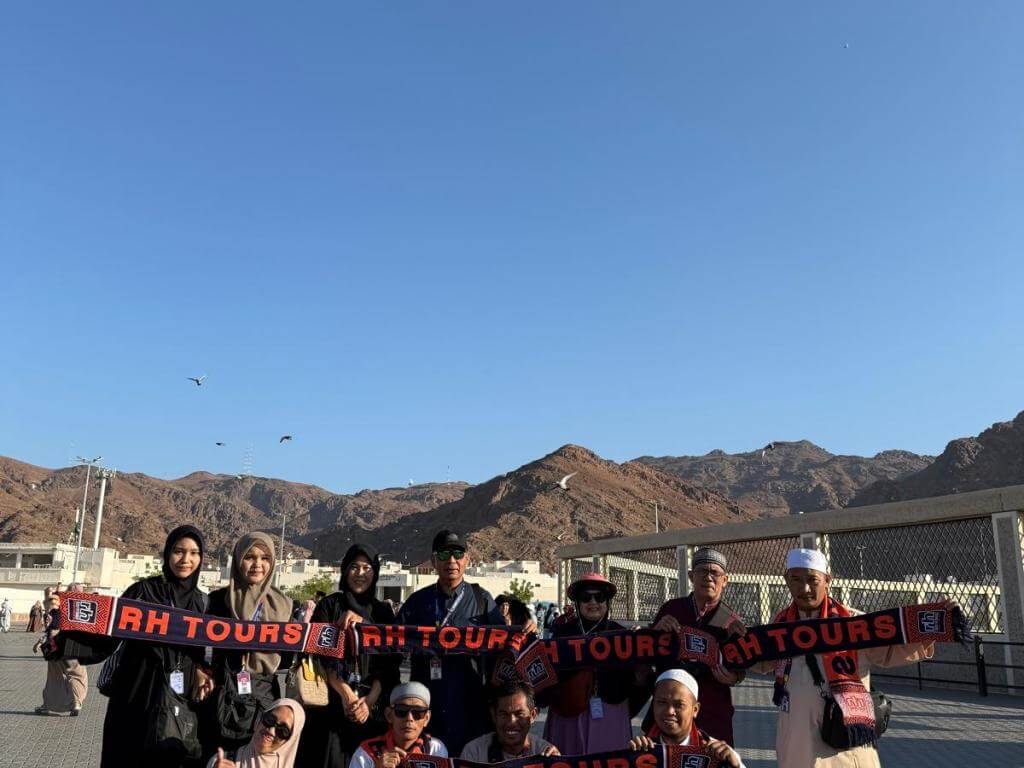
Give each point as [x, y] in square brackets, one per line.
[402, 712]
[271, 723]
[597, 597]
[445, 554]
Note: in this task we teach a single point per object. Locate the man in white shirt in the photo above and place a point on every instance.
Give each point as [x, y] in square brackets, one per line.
[408, 714]
[675, 706]
[513, 711]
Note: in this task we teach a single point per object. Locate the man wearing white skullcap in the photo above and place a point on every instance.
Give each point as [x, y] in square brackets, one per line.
[798, 741]
[675, 708]
[408, 714]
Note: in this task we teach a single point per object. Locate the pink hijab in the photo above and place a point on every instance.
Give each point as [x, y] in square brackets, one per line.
[249, 757]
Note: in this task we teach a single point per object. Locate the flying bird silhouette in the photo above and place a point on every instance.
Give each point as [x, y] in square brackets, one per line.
[197, 379]
[564, 480]
[284, 437]
[220, 443]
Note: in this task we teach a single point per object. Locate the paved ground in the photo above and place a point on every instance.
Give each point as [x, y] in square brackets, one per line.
[938, 729]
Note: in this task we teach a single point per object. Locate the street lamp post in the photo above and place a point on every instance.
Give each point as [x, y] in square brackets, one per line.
[85, 495]
[105, 474]
[657, 522]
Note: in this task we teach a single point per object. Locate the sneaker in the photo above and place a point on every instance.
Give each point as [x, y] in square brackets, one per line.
[42, 711]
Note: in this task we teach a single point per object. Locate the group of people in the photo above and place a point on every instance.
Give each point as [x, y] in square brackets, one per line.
[448, 706]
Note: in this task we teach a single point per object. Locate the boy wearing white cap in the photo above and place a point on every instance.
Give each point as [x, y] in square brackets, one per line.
[675, 708]
[408, 714]
[843, 675]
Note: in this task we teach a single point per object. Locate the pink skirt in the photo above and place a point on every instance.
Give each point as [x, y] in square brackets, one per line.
[583, 735]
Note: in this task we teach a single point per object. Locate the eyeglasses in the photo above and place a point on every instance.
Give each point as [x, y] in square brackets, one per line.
[703, 573]
[446, 554]
[271, 723]
[402, 712]
[593, 597]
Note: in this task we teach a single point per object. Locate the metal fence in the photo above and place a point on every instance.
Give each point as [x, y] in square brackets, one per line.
[880, 557]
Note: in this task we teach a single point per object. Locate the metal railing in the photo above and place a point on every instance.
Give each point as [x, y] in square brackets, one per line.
[967, 547]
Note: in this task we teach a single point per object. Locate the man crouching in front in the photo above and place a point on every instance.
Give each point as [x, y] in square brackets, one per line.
[407, 714]
[675, 707]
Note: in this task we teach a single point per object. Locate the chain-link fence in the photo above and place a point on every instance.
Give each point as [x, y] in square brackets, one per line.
[871, 569]
[880, 568]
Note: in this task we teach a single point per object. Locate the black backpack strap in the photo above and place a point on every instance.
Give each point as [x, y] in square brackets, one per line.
[481, 600]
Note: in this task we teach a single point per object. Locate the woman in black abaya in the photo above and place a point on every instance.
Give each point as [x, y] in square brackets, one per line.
[146, 670]
[359, 689]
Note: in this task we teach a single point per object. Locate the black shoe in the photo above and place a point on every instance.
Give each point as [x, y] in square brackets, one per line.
[74, 712]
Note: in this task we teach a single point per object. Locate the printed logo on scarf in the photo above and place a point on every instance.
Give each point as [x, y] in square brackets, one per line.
[695, 644]
[425, 761]
[84, 611]
[931, 622]
[328, 637]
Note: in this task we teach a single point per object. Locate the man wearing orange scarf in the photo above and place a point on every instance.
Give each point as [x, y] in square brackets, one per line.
[844, 676]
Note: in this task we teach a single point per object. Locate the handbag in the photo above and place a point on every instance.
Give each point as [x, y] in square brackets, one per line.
[237, 713]
[833, 730]
[173, 727]
[306, 684]
[105, 682]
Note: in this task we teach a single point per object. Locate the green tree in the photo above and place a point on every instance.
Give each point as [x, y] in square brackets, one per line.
[308, 589]
[521, 590]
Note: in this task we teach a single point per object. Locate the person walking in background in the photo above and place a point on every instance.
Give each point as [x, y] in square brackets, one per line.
[357, 688]
[704, 609]
[456, 682]
[274, 743]
[590, 709]
[5, 615]
[35, 618]
[245, 681]
[66, 680]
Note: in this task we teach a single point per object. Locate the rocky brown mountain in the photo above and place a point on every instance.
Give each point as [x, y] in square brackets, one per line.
[793, 477]
[38, 504]
[524, 514]
[992, 459]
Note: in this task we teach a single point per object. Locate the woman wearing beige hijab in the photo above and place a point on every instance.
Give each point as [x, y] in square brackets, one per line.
[274, 743]
[245, 681]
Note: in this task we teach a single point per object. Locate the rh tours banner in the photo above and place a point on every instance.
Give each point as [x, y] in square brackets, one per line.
[537, 661]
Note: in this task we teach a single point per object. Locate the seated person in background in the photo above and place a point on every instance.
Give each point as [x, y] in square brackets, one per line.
[675, 708]
[408, 714]
[513, 712]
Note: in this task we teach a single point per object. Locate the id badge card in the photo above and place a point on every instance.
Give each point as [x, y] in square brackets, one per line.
[596, 708]
[355, 679]
[435, 668]
[784, 706]
[177, 681]
[244, 683]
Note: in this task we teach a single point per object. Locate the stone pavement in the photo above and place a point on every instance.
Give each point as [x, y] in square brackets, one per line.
[937, 729]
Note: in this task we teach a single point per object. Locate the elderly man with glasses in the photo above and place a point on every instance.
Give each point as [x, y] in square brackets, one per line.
[704, 609]
[408, 714]
[456, 682]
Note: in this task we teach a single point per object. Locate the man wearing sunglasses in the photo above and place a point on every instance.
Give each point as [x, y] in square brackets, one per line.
[704, 609]
[456, 682]
[408, 714]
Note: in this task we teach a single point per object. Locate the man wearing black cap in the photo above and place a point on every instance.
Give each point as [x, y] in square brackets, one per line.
[704, 609]
[456, 682]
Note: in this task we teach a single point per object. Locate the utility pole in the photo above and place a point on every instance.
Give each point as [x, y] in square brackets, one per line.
[657, 522]
[85, 495]
[105, 474]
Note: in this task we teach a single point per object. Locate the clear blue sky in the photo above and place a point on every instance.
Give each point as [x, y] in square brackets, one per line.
[425, 235]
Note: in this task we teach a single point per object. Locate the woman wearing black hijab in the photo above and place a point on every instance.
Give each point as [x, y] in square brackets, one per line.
[359, 689]
[146, 670]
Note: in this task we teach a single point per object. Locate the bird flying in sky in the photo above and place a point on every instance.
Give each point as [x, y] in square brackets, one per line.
[220, 443]
[284, 437]
[197, 379]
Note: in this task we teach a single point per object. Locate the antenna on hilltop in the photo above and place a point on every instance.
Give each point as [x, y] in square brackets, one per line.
[247, 460]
